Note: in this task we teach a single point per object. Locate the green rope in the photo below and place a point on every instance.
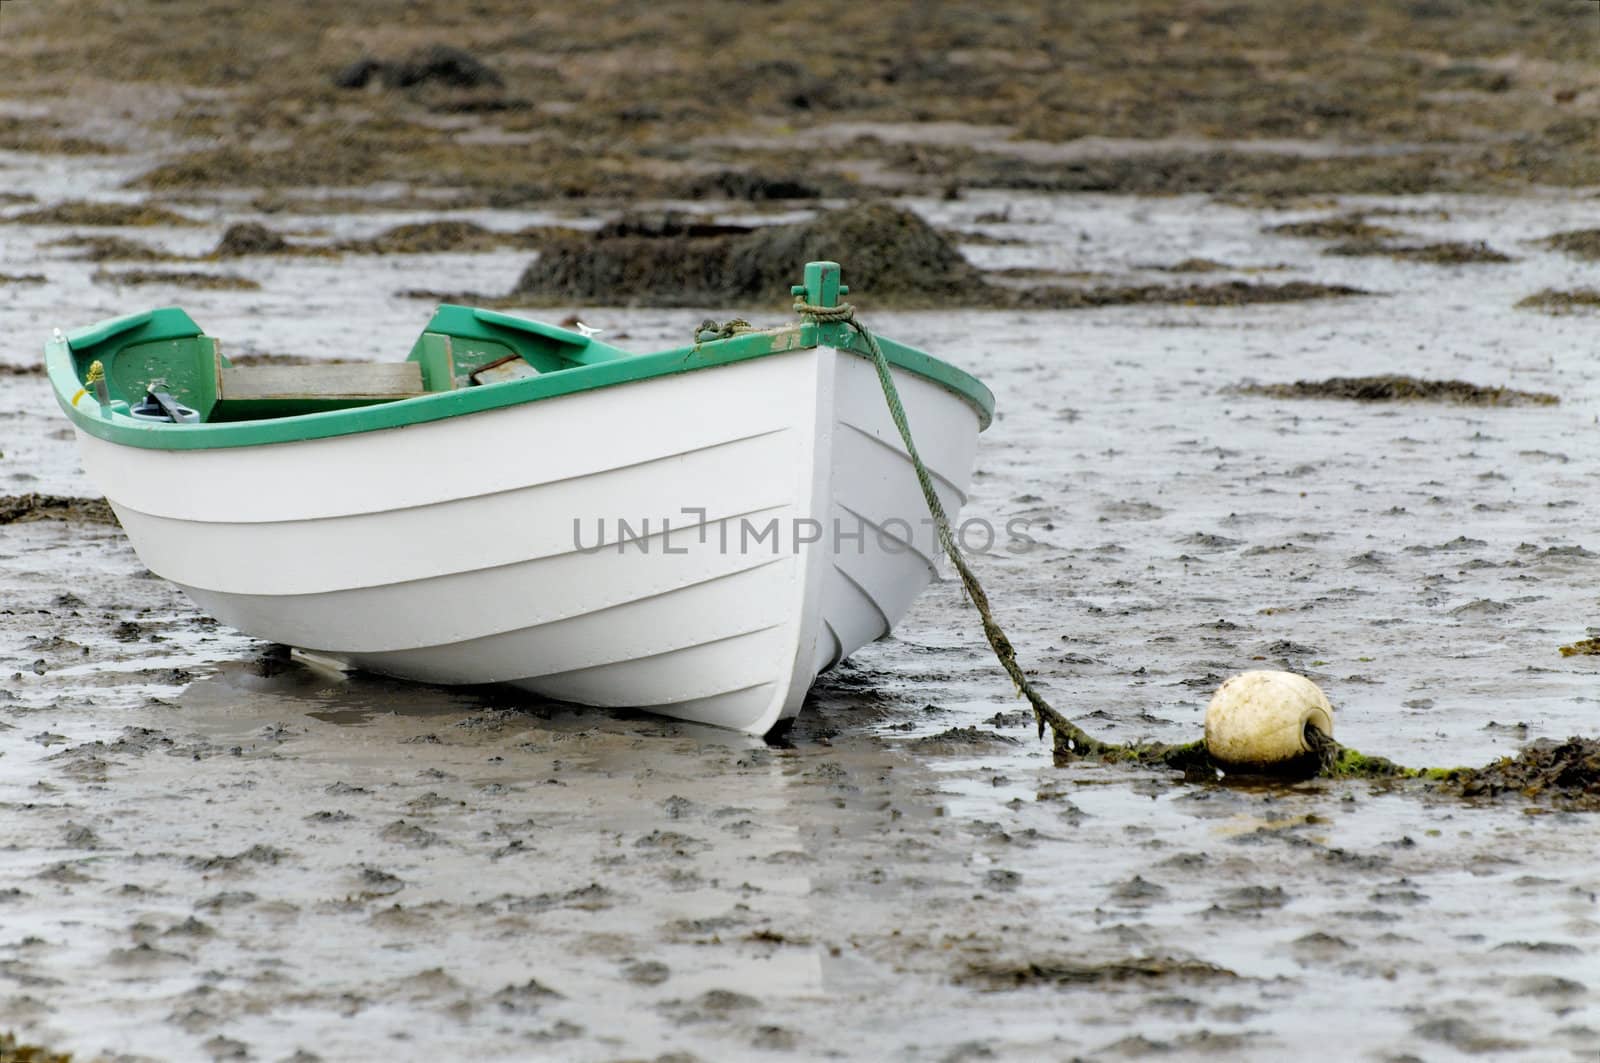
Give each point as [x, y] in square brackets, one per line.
[1074, 738]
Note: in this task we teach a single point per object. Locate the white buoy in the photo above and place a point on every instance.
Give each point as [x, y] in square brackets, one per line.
[1259, 719]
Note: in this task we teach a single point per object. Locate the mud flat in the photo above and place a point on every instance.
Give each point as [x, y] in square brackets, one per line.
[216, 851]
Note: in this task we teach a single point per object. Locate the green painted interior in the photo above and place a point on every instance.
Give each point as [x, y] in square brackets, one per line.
[167, 345]
[187, 366]
[434, 353]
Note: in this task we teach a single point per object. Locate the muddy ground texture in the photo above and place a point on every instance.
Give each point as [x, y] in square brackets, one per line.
[1290, 310]
[497, 105]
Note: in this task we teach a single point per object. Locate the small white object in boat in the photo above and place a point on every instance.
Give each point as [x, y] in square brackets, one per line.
[1260, 718]
[587, 330]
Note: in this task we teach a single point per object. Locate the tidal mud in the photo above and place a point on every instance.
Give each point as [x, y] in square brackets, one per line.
[218, 850]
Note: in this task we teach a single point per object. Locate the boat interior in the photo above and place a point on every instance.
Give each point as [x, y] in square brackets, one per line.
[160, 366]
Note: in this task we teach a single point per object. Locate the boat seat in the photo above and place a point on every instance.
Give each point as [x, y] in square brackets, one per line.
[277, 391]
[246, 392]
[382, 382]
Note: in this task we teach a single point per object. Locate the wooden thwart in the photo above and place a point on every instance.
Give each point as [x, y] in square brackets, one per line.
[353, 382]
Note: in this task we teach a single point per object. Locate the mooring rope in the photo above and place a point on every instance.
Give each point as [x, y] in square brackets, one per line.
[1331, 759]
[1071, 735]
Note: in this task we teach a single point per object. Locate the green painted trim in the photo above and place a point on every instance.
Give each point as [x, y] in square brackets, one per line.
[957, 381]
[584, 367]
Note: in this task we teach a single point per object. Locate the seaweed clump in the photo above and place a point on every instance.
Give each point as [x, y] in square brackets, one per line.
[893, 254]
[1059, 971]
[436, 64]
[44, 137]
[13, 1050]
[1445, 253]
[1338, 227]
[1551, 301]
[1584, 243]
[112, 249]
[182, 278]
[1196, 265]
[1565, 773]
[25, 509]
[1230, 293]
[1397, 388]
[249, 238]
[78, 212]
[443, 235]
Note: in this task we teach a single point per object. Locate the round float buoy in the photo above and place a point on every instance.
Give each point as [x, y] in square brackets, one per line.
[1258, 720]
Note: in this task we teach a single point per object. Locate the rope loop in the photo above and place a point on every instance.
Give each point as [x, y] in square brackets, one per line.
[826, 315]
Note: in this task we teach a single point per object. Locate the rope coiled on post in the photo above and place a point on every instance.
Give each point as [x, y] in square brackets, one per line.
[1074, 737]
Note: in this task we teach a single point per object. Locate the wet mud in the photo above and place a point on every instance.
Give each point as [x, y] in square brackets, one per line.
[223, 850]
[220, 850]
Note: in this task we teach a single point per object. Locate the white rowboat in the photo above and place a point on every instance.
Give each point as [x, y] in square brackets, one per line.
[698, 533]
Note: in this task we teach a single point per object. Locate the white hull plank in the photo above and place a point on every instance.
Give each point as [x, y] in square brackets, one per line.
[466, 534]
[446, 552]
[460, 457]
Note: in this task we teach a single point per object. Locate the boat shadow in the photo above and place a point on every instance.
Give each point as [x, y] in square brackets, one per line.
[279, 680]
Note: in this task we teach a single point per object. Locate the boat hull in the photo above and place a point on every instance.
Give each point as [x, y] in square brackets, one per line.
[697, 545]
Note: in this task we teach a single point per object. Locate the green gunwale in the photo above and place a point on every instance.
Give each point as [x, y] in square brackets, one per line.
[67, 377]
